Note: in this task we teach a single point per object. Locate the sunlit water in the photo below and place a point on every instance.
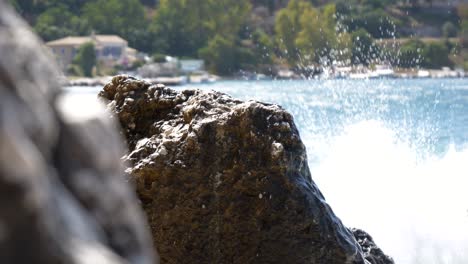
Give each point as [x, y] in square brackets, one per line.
[390, 156]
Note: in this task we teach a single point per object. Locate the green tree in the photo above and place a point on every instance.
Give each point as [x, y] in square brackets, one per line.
[86, 58]
[363, 48]
[288, 27]
[375, 21]
[449, 30]
[225, 56]
[183, 27]
[410, 54]
[462, 12]
[72, 5]
[57, 22]
[436, 55]
[220, 55]
[264, 47]
[308, 35]
[125, 18]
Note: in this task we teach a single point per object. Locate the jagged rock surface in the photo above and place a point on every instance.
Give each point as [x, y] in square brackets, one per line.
[63, 198]
[224, 181]
[371, 251]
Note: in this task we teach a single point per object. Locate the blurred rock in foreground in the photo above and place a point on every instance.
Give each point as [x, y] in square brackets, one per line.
[63, 198]
[224, 181]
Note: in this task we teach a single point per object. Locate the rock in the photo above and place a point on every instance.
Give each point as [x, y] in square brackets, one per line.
[224, 181]
[63, 195]
[371, 251]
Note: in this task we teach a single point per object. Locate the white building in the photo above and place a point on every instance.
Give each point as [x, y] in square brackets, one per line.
[110, 49]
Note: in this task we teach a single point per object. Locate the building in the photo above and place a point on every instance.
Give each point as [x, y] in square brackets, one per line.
[110, 49]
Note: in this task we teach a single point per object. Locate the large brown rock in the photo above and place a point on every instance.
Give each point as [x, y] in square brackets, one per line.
[224, 181]
[63, 196]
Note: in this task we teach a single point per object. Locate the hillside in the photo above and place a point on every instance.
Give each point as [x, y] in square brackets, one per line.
[253, 35]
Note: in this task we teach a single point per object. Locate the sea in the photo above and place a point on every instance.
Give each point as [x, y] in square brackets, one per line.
[389, 155]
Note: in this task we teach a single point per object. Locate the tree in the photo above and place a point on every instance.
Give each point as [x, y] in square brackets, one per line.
[363, 48]
[72, 5]
[410, 54]
[436, 55]
[57, 22]
[174, 24]
[86, 58]
[220, 55]
[288, 26]
[375, 21]
[183, 27]
[263, 47]
[224, 56]
[462, 11]
[307, 35]
[449, 30]
[125, 18]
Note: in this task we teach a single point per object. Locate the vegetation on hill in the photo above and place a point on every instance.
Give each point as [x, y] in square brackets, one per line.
[255, 35]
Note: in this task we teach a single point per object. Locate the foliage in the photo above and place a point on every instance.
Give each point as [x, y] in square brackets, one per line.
[432, 55]
[74, 70]
[58, 22]
[253, 34]
[436, 55]
[307, 35]
[449, 30]
[125, 18]
[376, 22]
[224, 55]
[184, 27]
[86, 58]
[364, 51]
[264, 47]
[411, 54]
[288, 27]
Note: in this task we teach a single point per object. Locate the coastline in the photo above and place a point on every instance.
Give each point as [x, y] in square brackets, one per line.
[182, 80]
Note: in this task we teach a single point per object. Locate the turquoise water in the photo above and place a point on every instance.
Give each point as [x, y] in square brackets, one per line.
[429, 114]
[390, 156]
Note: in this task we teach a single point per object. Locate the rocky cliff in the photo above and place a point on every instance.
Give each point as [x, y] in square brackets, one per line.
[224, 181]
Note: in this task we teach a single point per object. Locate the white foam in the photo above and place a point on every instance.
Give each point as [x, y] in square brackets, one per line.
[416, 210]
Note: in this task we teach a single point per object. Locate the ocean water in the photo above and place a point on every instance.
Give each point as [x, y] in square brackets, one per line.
[390, 156]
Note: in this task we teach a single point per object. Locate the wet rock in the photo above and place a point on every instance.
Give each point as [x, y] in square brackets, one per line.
[224, 181]
[371, 251]
[63, 197]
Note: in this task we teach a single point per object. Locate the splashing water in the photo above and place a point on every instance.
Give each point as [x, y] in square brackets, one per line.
[390, 156]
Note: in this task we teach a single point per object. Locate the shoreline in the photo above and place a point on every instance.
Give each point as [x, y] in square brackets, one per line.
[177, 81]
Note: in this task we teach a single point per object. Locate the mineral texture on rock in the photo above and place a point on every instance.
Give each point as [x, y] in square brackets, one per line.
[63, 195]
[224, 181]
[371, 251]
